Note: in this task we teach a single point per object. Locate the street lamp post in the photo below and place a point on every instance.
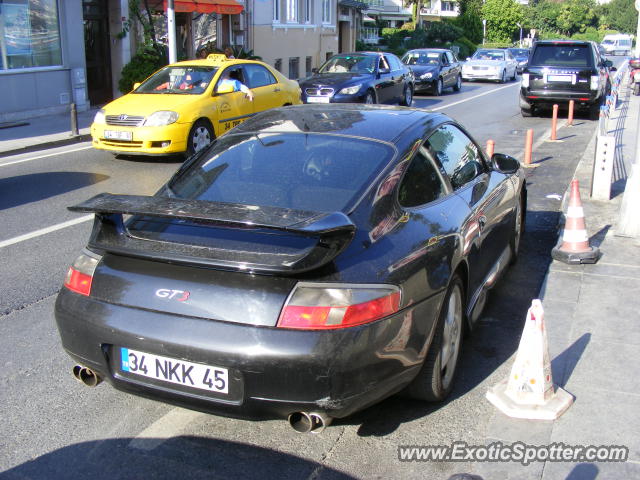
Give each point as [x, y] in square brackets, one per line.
[484, 28]
[520, 42]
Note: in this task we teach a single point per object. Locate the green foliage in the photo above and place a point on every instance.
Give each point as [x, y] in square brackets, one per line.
[466, 46]
[471, 25]
[361, 46]
[576, 15]
[408, 26]
[502, 18]
[619, 15]
[441, 33]
[590, 34]
[146, 61]
[497, 45]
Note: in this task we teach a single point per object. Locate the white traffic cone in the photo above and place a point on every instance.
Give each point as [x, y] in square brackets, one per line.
[529, 391]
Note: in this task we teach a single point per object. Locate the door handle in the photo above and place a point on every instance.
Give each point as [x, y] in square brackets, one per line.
[276, 89]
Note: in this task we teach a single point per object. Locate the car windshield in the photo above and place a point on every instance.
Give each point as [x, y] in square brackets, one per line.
[563, 55]
[519, 52]
[488, 55]
[350, 63]
[608, 42]
[190, 80]
[316, 172]
[421, 58]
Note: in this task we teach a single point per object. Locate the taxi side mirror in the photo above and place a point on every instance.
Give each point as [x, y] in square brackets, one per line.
[136, 85]
[228, 88]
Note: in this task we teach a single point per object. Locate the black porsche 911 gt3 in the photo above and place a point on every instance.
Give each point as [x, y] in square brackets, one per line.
[311, 262]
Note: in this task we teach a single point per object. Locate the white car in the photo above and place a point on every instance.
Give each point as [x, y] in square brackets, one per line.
[490, 64]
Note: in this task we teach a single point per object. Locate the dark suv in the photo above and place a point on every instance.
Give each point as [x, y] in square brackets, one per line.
[563, 70]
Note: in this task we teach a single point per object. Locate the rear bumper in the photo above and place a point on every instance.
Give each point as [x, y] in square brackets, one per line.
[272, 372]
[548, 98]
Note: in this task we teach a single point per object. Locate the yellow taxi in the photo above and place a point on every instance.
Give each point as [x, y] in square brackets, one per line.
[184, 106]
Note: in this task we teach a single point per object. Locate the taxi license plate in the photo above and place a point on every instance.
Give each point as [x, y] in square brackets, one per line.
[318, 99]
[194, 375]
[118, 135]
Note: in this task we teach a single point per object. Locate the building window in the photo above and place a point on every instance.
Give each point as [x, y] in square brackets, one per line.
[292, 11]
[278, 64]
[308, 7]
[448, 6]
[276, 11]
[328, 55]
[308, 66]
[326, 11]
[30, 34]
[294, 67]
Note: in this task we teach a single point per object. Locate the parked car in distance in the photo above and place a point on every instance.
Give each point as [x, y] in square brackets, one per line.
[361, 77]
[617, 44]
[434, 69]
[490, 64]
[563, 70]
[308, 264]
[180, 108]
[521, 55]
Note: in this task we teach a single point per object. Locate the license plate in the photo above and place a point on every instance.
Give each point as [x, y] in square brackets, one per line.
[318, 99]
[560, 78]
[180, 372]
[118, 135]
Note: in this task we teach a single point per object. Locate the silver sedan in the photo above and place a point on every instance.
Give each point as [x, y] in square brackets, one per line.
[490, 64]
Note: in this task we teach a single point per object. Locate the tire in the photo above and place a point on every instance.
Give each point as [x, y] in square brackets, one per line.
[407, 96]
[636, 89]
[200, 135]
[458, 84]
[515, 74]
[437, 90]
[435, 380]
[526, 113]
[504, 77]
[518, 229]
[594, 111]
[369, 99]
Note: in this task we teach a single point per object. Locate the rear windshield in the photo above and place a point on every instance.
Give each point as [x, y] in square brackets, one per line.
[317, 172]
[561, 55]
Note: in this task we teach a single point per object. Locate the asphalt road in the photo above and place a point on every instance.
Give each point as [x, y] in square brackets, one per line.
[53, 427]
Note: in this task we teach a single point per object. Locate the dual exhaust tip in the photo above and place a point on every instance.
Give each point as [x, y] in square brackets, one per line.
[86, 376]
[301, 422]
[309, 422]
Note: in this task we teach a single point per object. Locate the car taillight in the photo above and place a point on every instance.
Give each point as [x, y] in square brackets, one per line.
[326, 306]
[80, 274]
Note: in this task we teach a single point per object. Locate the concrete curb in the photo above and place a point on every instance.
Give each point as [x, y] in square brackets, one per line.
[45, 145]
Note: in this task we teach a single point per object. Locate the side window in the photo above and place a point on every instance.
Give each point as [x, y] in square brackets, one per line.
[457, 154]
[444, 60]
[394, 63]
[450, 57]
[234, 73]
[383, 64]
[421, 183]
[258, 76]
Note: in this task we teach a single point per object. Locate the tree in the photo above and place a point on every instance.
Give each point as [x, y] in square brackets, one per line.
[502, 18]
[619, 15]
[576, 15]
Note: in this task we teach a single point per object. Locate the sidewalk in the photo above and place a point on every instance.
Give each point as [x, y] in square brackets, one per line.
[592, 320]
[43, 132]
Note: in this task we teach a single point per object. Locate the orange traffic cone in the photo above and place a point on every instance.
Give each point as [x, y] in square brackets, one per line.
[575, 247]
[529, 391]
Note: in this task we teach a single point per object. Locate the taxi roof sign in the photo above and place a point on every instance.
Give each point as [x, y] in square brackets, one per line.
[217, 57]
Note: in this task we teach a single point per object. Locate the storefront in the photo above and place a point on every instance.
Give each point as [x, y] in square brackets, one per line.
[42, 58]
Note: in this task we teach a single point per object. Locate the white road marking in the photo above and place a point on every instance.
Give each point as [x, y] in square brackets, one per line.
[44, 156]
[44, 231]
[166, 427]
[474, 97]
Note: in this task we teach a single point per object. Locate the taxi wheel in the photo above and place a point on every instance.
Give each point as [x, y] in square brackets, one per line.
[200, 136]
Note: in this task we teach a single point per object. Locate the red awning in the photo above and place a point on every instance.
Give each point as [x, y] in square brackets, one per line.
[227, 7]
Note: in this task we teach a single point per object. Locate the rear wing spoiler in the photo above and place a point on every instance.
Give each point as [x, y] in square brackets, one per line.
[332, 232]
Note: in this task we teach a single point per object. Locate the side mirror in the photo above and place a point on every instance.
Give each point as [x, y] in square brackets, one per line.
[504, 163]
[136, 85]
[226, 88]
[608, 63]
[468, 58]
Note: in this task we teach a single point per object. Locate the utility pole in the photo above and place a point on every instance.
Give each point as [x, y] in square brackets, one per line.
[171, 31]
